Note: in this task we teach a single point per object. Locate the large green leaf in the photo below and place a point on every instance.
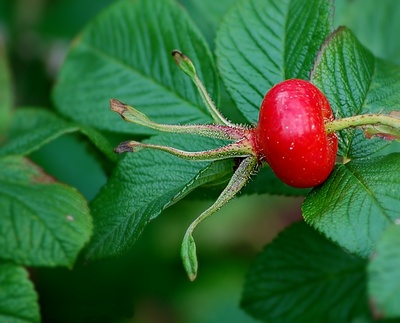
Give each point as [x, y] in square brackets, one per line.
[384, 274]
[18, 299]
[126, 54]
[357, 203]
[375, 24]
[355, 82]
[43, 223]
[207, 14]
[32, 128]
[303, 277]
[142, 186]
[262, 42]
[5, 92]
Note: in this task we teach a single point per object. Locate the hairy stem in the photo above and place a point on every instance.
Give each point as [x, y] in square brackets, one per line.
[236, 149]
[383, 124]
[236, 183]
[186, 65]
[218, 131]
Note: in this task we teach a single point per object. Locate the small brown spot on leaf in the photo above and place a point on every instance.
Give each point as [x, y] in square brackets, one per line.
[40, 177]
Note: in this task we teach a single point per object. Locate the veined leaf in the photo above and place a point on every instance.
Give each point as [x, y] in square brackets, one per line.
[126, 54]
[355, 82]
[142, 186]
[43, 223]
[384, 274]
[207, 15]
[357, 203]
[18, 299]
[374, 23]
[262, 42]
[303, 277]
[32, 128]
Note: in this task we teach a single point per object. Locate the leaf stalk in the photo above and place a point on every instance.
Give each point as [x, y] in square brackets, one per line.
[386, 126]
[186, 65]
[236, 183]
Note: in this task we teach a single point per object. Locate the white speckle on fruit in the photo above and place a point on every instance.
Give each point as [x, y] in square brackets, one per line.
[70, 218]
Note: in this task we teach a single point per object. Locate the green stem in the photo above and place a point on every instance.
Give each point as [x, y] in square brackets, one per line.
[391, 122]
[236, 149]
[186, 65]
[133, 115]
[236, 183]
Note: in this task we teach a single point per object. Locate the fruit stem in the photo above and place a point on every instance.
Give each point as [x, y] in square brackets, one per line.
[236, 149]
[186, 65]
[236, 183]
[130, 114]
[387, 126]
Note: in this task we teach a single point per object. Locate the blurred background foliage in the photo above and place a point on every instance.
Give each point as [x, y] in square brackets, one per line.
[148, 284]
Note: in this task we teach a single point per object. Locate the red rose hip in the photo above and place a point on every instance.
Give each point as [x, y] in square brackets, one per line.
[291, 134]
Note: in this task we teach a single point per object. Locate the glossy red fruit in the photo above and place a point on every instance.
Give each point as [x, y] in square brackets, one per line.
[291, 135]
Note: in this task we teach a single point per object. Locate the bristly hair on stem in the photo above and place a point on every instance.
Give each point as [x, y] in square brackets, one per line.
[380, 125]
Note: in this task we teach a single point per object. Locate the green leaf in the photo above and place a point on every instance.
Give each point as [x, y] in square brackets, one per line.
[375, 24]
[207, 15]
[303, 277]
[262, 42]
[355, 82]
[266, 182]
[384, 274]
[5, 92]
[357, 203]
[43, 223]
[31, 129]
[142, 186]
[18, 299]
[126, 54]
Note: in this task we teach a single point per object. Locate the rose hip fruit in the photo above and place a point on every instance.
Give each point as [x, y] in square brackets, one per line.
[291, 135]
